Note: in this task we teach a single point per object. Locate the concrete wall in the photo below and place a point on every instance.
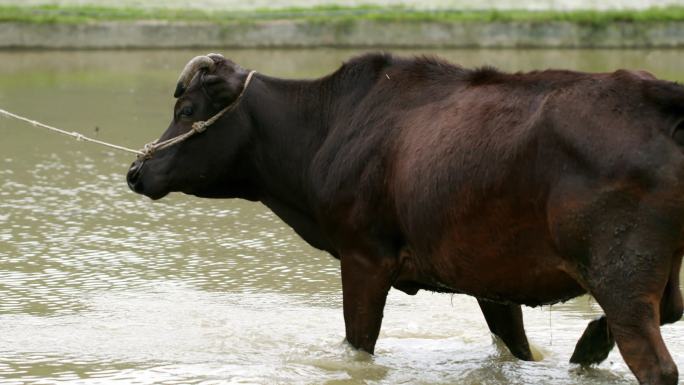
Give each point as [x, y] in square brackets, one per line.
[158, 34]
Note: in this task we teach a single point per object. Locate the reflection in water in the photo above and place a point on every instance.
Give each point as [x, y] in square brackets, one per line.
[99, 285]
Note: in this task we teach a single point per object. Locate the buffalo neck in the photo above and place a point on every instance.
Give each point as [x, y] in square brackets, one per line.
[290, 120]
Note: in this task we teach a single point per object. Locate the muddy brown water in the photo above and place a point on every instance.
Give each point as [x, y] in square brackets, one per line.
[102, 286]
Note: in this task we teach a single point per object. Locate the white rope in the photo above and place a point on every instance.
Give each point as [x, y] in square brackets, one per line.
[150, 148]
[76, 135]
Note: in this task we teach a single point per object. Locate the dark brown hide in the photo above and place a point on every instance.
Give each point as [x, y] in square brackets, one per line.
[417, 174]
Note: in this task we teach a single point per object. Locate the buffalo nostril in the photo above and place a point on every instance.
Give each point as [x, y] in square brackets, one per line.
[134, 171]
[133, 175]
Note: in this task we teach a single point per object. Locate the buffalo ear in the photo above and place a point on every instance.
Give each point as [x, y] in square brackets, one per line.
[678, 134]
[224, 84]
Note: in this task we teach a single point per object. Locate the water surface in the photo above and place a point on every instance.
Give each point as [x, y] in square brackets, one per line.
[99, 285]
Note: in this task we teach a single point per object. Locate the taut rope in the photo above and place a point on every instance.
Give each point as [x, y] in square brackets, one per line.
[74, 134]
[150, 148]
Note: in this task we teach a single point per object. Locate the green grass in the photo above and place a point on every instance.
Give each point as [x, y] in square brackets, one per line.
[85, 14]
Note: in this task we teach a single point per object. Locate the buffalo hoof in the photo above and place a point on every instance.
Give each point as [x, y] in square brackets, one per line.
[523, 353]
[595, 344]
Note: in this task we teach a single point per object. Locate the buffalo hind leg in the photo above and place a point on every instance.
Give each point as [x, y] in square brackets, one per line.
[628, 282]
[506, 322]
[365, 284]
[597, 341]
[671, 304]
[595, 344]
[637, 332]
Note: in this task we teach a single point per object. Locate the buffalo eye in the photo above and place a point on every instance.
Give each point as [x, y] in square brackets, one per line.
[678, 134]
[186, 111]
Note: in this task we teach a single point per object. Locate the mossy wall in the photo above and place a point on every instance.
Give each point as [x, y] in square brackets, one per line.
[342, 33]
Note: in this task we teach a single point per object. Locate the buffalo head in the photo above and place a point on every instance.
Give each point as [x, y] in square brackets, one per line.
[209, 164]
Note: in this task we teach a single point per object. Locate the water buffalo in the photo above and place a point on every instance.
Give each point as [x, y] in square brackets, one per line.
[526, 188]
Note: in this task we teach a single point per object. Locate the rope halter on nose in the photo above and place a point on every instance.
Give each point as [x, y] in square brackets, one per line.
[197, 127]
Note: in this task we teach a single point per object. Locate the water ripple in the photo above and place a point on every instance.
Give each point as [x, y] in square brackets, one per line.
[102, 286]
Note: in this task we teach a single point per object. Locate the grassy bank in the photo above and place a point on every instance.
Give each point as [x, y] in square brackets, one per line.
[84, 27]
[89, 14]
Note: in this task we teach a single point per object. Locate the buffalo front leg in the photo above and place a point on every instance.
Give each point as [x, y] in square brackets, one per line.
[506, 322]
[365, 284]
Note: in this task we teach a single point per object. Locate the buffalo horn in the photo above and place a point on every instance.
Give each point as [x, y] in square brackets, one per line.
[194, 65]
